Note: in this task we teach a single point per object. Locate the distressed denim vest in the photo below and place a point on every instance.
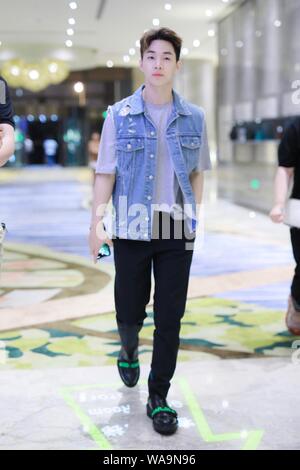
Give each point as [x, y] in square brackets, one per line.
[136, 145]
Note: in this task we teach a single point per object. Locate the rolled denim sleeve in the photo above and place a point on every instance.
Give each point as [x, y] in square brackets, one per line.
[106, 161]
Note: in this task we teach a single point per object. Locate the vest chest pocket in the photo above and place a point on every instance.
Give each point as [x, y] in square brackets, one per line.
[190, 146]
[128, 150]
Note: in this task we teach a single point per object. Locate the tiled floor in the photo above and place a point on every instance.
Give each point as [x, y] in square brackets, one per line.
[238, 367]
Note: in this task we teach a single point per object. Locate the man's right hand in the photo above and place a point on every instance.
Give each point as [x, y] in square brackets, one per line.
[97, 237]
[277, 214]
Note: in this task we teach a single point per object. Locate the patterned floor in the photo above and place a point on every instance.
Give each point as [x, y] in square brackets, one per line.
[239, 283]
[211, 327]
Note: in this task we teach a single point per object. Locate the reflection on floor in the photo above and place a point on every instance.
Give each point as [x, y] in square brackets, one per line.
[237, 365]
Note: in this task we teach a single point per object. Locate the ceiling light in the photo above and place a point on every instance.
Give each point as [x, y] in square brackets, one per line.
[209, 13]
[34, 74]
[155, 22]
[196, 43]
[110, 64]
[69, 43]
[71, 21]
[168, 6]
[126, 58]
[53, 67]
[70, 32]
[211, 33]
[79, 87]
[73, 5]
[15, 71]
[185, 51]
[132, 51]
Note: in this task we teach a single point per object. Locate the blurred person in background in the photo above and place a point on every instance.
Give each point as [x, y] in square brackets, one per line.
[7, 140]
[93, 149]
[50, 149]
[7, 125]
[29, 148]
[287, 175]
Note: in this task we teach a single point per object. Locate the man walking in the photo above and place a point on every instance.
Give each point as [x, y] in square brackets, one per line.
[152, 155]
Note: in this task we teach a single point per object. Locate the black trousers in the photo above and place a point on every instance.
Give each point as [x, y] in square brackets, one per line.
[295, 289]
[171, 260]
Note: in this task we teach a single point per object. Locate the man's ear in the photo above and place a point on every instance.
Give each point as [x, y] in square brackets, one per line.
[178, 65]
[141, 65]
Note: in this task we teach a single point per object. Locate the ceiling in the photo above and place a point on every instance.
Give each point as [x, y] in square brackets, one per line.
[104, 30]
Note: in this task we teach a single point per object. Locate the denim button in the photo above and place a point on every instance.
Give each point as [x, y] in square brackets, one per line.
[149, 198]
[151, 156]
[151, 177]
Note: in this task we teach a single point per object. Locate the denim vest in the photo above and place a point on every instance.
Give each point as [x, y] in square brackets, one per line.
[136, 144]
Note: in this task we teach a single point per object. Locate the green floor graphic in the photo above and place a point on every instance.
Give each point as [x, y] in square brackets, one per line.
[98, 432]
[252, 438]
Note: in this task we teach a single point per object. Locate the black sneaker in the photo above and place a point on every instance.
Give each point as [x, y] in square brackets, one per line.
[163, 417]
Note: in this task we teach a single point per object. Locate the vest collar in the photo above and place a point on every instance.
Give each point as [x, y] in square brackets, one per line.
[136, 103]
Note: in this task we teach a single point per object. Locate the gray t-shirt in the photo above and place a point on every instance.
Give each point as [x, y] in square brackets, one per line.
[164, 191]
[167, 190]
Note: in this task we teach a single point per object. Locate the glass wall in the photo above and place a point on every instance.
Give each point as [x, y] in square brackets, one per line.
[259, 64]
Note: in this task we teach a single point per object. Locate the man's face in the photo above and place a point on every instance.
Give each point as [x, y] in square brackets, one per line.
[159, 63]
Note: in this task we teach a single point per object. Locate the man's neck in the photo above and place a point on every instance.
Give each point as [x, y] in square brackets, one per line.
[157, 95]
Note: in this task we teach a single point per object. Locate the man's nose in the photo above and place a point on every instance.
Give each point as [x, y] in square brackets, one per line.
[158, 64]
